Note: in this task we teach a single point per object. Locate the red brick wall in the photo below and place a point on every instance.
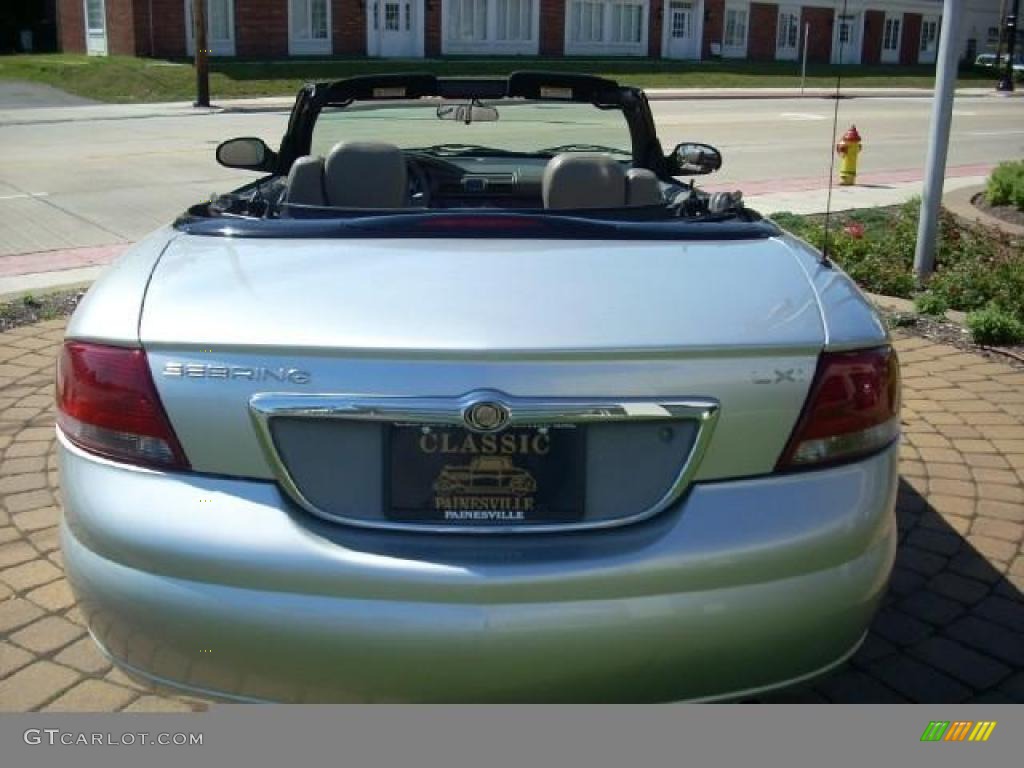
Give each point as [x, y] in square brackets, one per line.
[432, 28]
[910, 45]
[120, 28]
[142, 28]
[657, 14]
[874, 28]
[348, 27]
[764, 21]
[71, 26]
[552, 27]
[261, 28]
[714, 17]
[820, 20]
[168, 28]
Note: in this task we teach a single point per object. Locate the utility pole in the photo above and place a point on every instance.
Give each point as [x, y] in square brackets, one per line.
[803, 68]
[1006, 81]
[202, 61]
[1002, 32]
[938, 139]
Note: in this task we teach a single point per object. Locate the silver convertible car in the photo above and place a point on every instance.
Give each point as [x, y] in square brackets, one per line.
[470, 398]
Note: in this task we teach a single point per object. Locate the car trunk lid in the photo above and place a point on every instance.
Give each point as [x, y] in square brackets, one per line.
[692, 360]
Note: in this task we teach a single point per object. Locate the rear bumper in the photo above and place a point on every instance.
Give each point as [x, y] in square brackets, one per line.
[221, 586]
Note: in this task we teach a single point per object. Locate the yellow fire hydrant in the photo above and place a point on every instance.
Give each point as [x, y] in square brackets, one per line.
[849, 147]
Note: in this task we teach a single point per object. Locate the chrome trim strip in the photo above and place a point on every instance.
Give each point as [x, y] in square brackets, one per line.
[450, 411]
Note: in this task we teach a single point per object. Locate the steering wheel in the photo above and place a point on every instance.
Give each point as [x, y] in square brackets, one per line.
[419, 185]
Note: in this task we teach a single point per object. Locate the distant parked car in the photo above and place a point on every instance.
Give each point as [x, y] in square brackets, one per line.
[988, 61]
[472, 396]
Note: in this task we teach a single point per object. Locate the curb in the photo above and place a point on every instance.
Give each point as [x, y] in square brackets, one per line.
[958, 202]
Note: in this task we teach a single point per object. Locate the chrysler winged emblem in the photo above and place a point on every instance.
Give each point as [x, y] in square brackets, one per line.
[486, 417]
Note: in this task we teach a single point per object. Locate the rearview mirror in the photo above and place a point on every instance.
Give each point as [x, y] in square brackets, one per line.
[693, 159]
[467, 113]
[248, 153]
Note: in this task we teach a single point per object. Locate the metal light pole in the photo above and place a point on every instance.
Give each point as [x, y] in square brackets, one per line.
[803, 68]
[1006, 81]
[202, 62]
[1002, 32]
[938, 139]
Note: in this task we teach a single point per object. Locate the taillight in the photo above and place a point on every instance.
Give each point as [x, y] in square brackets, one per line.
[852, 409]
[107, 404]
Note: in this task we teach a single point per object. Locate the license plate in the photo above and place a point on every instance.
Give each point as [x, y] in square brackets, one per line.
[450, 475]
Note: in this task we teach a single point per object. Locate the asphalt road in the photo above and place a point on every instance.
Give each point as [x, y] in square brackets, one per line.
[87, 177]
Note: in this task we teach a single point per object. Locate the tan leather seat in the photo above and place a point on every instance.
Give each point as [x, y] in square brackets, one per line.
[305, 185]
[366, 174]
[584, 180]
[355, 174]
[643, 188]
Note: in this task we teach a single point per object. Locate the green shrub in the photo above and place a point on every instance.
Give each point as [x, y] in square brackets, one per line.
[875, 247]
[994, 325]
[929, 303]
[975, 265]
[1006, 185]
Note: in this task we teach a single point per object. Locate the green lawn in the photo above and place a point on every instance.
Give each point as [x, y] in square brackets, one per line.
[130, 80]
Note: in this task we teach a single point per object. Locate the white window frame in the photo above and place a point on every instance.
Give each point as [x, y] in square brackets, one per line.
[415, 30]
[217, 47]
[892, 55]
[698, 30]
[736, 50]
[855, 52]
[310, 46]
[606, 46]
[492, 46]
[928, 56]
[785, 52]
[95, 39]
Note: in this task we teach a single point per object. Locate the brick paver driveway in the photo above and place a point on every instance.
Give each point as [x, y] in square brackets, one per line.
[952, 629]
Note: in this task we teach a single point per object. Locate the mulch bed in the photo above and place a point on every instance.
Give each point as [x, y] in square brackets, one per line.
[30, 309]
[1008, 213]
[947, 332]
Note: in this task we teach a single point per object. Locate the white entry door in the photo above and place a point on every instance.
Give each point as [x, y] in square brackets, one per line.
[683, 42]
[929, 39]
[846, 39]
[892, 35]
[787, 42]
[95, 28]
[393, 28]
[220, 27]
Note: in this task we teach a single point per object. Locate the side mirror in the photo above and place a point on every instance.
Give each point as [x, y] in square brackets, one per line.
[467, 113]
[248, 153]
[693, 159]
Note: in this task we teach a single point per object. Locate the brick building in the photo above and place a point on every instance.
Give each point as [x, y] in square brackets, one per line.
[871, 31]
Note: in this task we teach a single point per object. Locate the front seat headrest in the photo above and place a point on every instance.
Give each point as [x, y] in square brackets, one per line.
[305, 185]
[584, 180]
[365, 174]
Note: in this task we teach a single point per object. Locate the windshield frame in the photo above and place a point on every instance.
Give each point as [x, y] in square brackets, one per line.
[554, 87]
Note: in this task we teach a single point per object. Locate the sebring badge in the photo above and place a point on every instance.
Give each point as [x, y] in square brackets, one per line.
[236, 372]
[486, 417]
